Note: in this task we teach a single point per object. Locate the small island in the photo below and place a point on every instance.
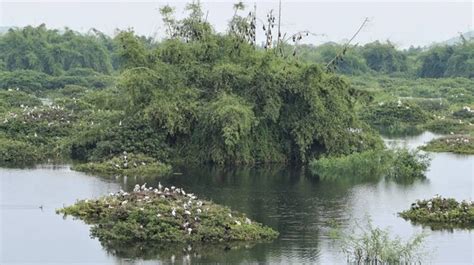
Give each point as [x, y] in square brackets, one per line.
[459, 144]
[439, 213]
[126, 165]
[164, 214]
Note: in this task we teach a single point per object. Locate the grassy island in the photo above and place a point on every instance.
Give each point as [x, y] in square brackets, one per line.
[459, 144]
[164, 215]
[126, 165]
[439, 212]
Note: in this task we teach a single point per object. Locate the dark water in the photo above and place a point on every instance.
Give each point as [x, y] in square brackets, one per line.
[287, 199]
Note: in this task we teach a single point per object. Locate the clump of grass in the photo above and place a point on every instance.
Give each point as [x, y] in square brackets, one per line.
[398, 164]
[151, 215]
[126, 165]
[439, 212]
[366, 244]
[459, 144]
[408, 164]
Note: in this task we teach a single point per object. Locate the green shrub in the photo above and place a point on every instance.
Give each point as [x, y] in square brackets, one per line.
[371, 245]
[398, 164]
[409, 165]
[14, 152]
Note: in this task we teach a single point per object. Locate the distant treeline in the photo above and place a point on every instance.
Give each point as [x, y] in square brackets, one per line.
[384, 58]
[69, 53]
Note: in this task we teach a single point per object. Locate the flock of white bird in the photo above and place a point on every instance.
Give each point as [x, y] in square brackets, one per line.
[191, 208]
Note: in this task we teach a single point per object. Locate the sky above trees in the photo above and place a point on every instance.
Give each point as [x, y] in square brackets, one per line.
[405, 23]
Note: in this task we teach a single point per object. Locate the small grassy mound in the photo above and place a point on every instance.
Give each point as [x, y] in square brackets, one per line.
[441, 212]
[459, 144]
[444, 125]
[164, 215]
[126, 165]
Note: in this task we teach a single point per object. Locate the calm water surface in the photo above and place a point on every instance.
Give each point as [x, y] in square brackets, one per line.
[286, 199]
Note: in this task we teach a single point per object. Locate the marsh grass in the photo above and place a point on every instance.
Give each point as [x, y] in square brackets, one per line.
[366, 244]
[396, 164]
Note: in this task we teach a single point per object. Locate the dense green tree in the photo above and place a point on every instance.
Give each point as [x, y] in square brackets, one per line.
[52, 51]
[384, 57]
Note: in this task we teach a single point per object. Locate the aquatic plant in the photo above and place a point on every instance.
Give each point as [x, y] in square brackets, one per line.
[459, 144]
[164, 214]
[397, 164]
[408, 164]
[366, 244]
[439, 212]
[126, 165]
[368, 165]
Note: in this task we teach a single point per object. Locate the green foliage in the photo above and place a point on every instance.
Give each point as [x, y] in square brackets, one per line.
[17, 99]
[126, 165]
[13, 152]
[33, 81]
[353, 62]
[434, 62]
[447, 126]
[399, 164]
[214, 106]
[371, 245]
[408, 165]
[459, 144]
[395, 116]
[52, 52]
[384, 57]
[131, 50]
[231, 119]
[151, 216]
[441, 213]
[368, 165]
[448, 61]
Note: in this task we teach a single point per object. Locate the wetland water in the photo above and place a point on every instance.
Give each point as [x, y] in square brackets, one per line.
[290, 200]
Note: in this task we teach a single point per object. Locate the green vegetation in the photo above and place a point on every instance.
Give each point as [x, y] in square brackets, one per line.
[459, 144]
[401, 165]
[199, 96]
[153, 215]
[370, 245]
[440, 213]
[17, 153]
[395, 116]
[126, 165]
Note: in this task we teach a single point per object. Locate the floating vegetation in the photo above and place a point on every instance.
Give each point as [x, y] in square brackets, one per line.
[398, 164]
[126, 165]
[164, 214]
[439, 213]
[460, 144]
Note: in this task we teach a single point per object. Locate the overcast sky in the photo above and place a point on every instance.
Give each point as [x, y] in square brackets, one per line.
[404, 22]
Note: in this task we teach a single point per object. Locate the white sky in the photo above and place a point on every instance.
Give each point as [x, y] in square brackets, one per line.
[402, 22]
